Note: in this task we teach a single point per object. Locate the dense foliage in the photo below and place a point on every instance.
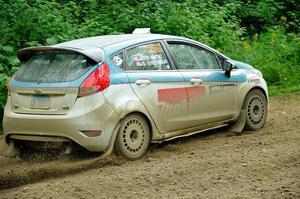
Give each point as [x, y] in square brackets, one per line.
[264, 33]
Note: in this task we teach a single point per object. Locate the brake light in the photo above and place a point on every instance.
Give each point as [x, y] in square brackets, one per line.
[96, 81]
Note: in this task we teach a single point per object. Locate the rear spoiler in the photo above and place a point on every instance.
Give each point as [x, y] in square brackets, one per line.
[93, 53]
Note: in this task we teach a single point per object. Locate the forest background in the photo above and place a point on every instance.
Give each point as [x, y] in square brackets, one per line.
[263, 33]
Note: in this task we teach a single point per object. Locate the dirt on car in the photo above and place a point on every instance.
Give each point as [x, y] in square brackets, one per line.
[214, 164]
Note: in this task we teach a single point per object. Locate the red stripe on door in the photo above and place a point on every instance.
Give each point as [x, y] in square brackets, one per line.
[195, 91]
[172, 95]
[178, 95]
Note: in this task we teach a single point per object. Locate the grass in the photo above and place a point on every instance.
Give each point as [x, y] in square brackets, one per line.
[275, 90]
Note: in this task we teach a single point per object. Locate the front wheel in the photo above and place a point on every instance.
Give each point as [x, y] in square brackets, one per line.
[133, 137]
[256, 108]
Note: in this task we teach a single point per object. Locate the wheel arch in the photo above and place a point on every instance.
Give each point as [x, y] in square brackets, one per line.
[130, 104]
[244, 91]
[256, 88]
[145, 117]
[259, 119]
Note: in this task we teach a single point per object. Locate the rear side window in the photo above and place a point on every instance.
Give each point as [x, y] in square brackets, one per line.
[191, 57]
[53, 67]
[147, 57]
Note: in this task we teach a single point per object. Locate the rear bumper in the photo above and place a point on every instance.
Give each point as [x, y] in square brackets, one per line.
[88, 113]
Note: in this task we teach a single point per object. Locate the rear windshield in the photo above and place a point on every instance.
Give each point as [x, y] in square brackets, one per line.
[53, 67]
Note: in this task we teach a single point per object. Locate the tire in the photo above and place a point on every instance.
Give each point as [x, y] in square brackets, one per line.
[256, 107]
[133, 137]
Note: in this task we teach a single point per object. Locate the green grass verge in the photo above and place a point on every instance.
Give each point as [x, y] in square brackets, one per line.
[275, 90]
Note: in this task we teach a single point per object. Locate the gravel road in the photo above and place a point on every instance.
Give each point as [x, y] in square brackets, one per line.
[214, 164]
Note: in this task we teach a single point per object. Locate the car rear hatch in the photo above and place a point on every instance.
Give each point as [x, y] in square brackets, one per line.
[48, 80]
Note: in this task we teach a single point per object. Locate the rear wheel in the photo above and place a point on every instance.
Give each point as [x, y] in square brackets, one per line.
[256, 108]
[133, 137]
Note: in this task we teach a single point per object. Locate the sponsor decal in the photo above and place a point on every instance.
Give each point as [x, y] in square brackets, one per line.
[168, 109]
[256, 81]
[152, 60]
[172, 95]
[171, 99]
[178, 95]
[194, 92]
[117, 60]
[221, 88]
[155, 48]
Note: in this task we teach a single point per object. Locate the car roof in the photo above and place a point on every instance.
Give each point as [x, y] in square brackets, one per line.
[90, 46]
[106, 40]
[109, 43]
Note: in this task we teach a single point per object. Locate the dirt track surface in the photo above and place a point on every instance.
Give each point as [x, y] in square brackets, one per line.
[216, 164]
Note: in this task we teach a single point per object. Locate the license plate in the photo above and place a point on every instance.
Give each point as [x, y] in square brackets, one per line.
[40, 102]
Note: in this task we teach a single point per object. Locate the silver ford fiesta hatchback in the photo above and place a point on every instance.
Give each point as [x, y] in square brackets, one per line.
[126, 91]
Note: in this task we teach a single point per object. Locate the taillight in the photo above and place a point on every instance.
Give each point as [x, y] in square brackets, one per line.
[96, 81]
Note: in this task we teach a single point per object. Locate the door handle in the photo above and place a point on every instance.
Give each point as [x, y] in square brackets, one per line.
[196, 81]
[142, 82]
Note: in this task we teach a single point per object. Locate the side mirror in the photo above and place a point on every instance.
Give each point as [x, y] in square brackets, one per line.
[228, 66]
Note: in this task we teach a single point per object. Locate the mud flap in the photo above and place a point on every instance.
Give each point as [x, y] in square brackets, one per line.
[112, 142]
[239, 125]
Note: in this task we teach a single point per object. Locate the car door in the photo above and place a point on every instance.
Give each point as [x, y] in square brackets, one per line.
[212, 96]
[161, 89]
